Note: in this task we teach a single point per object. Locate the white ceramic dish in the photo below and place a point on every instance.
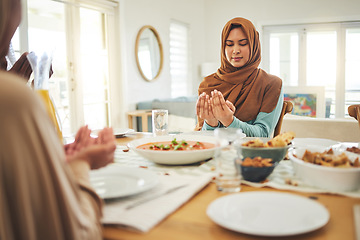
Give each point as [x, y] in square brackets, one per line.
[118, 132]
[328, 178]
[268, 213]
[118, 181]
[174, 157]
[314, 142]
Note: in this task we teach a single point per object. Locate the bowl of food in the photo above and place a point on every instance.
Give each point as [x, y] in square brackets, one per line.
[275, 148]
[175, 149]
[330, 169]
[256, 169]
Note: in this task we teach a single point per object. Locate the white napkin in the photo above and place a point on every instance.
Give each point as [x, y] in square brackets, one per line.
[146, 215]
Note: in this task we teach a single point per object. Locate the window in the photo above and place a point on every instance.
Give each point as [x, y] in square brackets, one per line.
[284, 60]
[312, 55]
[352, 64]
[78, 34]
[179, 58]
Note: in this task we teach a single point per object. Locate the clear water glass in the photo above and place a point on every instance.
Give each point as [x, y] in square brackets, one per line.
[160, 118]
[228, 177]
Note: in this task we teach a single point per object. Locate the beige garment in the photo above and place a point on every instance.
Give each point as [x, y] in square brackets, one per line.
[41, 197]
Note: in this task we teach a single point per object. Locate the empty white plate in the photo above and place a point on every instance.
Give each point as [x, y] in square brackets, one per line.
[118, 181]
[317, 142]
[118, 132]
[268, 213]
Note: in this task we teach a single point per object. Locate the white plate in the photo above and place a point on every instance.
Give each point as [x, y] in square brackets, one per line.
[117, 181]
[118, 132]
[175, 157]
[268, 213]
[314, 142]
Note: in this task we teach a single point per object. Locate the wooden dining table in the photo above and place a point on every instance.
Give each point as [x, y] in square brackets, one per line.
[190, 221]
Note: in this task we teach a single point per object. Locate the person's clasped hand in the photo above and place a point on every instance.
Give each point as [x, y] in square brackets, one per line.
[98, 152]
[22, 67]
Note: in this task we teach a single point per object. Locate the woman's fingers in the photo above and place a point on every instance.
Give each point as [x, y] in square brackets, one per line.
[222, 110]
[106, 135]
[231, 106]
[200, 106]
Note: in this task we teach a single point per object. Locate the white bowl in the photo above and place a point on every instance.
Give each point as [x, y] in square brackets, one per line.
[174, 157]
[328, 178]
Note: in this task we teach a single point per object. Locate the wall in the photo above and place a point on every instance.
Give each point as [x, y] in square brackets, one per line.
[158, 13]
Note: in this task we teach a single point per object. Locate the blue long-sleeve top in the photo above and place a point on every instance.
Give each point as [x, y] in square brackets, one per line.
[262, 126]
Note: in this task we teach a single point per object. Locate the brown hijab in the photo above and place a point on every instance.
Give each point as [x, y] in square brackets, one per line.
[249, 88]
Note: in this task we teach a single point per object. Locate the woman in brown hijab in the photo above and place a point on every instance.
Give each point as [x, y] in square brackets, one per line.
[239, 94]
[45, 191]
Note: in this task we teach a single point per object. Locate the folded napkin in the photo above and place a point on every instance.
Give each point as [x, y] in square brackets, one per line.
[146, 215]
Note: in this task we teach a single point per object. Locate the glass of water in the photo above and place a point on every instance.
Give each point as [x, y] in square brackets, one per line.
[160, 118]
[228, 177]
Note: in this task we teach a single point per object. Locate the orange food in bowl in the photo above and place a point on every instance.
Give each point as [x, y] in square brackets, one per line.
[257, 162]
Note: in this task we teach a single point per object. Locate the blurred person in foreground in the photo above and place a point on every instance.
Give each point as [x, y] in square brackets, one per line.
[45, 191]
[240, 94]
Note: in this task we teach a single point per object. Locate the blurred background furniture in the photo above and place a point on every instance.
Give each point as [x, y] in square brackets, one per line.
[287, 108]
[344, 130]
[144, 116]
[354, 111]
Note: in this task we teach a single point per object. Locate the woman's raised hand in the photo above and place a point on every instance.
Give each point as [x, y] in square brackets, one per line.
[223, 110]
[204, 110]
[22, 67]
[98, 152]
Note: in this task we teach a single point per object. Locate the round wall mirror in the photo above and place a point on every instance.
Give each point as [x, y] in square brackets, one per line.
[149, 53]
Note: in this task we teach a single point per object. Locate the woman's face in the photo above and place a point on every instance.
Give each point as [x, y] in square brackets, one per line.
[237, 48]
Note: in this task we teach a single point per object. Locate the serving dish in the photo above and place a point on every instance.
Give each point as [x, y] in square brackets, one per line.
[174, 157]
[329, 178]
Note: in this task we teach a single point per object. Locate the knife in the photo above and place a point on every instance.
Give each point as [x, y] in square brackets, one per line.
[147, 199]
[357, 221]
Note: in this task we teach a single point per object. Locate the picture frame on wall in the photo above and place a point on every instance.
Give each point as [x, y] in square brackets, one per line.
[307, 101]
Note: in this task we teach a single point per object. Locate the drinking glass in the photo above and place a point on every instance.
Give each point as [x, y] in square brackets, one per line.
[40, 64]
[160, 118]
[228, 173]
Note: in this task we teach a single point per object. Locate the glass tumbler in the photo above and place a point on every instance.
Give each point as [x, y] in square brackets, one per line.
[160, 118]
[228, 177]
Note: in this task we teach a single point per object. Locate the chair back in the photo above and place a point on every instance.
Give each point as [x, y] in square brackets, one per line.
[287, 108]
[354, 111]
